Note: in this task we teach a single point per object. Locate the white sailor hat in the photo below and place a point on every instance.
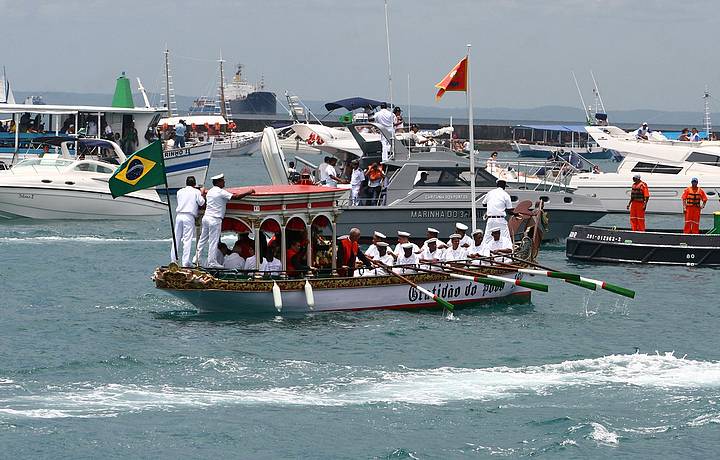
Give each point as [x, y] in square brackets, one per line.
[454, 235]
[495, 229]
[433, 230]
[477, 232]
[407, 246]
[401, 233]
[379, 235]
[251, 235]
[219, 176]
[461, 226]
[636, 176]
[431, 240]
[381, 244]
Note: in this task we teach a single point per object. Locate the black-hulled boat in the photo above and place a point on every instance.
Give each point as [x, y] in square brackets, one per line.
[607, 244]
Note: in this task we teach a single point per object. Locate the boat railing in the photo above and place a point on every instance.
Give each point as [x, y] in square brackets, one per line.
[548, 174]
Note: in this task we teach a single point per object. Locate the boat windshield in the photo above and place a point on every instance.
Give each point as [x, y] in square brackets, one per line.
[43, 163]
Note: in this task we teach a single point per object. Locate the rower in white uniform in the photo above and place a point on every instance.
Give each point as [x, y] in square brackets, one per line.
[454, 252]
[431, 255]
[189, 200]
[404, 237]
[498, 203]
[384, 257]
[465, 240]
[216, 199]
[408, 258]
[475, 251]
[433, 233]
[372, 250]
[498, 244]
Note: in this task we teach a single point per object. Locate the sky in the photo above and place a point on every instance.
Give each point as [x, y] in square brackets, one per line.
[645, 54]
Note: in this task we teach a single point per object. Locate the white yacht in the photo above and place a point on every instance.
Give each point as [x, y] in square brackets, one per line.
[61, 186]
[216, 129]
[666, 166]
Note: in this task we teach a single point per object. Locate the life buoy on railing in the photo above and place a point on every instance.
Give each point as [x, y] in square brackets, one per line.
[320, 141]
[217, 126]
[193, 126]
[232, 125]
[311, 139]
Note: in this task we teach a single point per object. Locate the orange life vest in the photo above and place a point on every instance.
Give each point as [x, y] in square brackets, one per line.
[350, 249]
[637, 193]
[693, 197]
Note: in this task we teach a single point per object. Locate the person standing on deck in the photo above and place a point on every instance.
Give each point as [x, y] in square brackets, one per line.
[180, 130]
[216, 199]
[189, 200]
[356, 179]
[498, 203]
[639, 196]
[386, 120]
[694, 199]
[349, 252]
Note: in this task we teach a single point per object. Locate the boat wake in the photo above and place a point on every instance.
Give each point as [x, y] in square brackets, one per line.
[346, 386]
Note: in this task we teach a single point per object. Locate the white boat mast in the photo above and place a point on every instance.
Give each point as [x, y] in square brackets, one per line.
[387, 35]
[708, 124]
[223, 107]
[141, 88]
[169, 92]
[596, 91]
[582, 100]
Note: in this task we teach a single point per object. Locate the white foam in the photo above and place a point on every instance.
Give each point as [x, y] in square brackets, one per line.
[603, 435]
[343, 385]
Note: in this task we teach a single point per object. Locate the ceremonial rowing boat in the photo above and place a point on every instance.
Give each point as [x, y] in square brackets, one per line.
[287, 213]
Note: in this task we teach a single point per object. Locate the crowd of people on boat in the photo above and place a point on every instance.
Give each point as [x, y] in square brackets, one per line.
[687, 134]
[479, 247]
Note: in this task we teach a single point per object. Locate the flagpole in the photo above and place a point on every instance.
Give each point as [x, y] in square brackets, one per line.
[176, 250]
[471, 139]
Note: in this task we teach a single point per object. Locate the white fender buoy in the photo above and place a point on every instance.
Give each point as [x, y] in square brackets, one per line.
[309, 296]
[277, 297]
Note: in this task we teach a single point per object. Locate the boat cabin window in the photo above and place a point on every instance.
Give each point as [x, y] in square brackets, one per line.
[103, 169]
[656, 168]
[86, 167]
[442, 177]
[704, 158]
[43, 162]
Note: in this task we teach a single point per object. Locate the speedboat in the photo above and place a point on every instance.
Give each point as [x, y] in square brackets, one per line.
[554, 139]
[666, 166]
[61, 186]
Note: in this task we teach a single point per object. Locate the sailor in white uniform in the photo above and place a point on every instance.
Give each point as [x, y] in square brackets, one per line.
[372, 250]
[465, 240]
[189, 200]
[356, 179]
[498, 203]
[386, 120]
[383, 256]
[216, 199]
[270, 264]
[497, 244]
[234, 260]
[431, 255]
[455, 252]
[433, 233]
[475, 250]
[404, 237]
[408, 258]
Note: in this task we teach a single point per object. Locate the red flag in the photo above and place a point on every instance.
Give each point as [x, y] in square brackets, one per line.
[456, 80]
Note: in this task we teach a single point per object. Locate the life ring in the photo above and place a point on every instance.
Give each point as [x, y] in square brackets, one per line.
[217, 126]
[232, 125]
[311, 139]
[193, 126]
[320, 141]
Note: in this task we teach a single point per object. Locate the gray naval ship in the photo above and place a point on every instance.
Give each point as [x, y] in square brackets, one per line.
[430, 187]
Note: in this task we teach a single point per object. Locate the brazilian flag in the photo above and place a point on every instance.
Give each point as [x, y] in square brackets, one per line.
[144, 169]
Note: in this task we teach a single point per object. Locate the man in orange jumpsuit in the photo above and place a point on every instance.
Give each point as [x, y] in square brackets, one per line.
[693, 199]
[639, 196]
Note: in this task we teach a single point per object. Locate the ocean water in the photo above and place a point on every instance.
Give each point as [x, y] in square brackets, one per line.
[95, 362]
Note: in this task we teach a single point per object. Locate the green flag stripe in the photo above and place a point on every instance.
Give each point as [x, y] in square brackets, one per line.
[148, 177]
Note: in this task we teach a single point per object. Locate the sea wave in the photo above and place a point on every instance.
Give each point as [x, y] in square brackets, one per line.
[342, 386]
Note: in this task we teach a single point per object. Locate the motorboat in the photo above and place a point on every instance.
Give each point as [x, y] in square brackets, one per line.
[203, 129]
[666, 166]
[64, 186]
[551, 140]
[431, 187]
[663, 247]
[124, 124]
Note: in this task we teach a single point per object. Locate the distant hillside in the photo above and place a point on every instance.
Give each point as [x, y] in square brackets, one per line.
[544, 113]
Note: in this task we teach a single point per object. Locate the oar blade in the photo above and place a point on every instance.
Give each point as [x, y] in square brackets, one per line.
[490, 282]
[533, 285]
[444, 303]
[564, 276]
[584, 284]
[619, 290]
